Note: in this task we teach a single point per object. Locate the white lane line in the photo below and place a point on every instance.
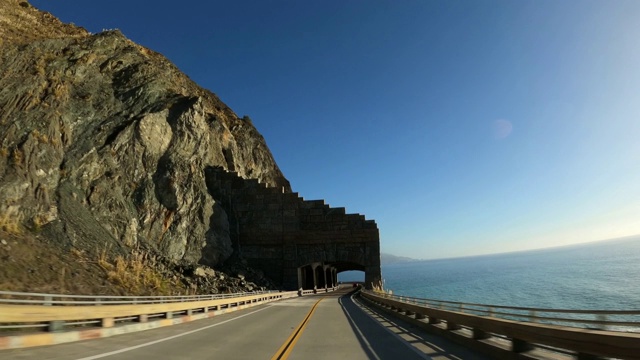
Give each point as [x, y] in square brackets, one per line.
[403, 341]
[373, 352]
[167, 338]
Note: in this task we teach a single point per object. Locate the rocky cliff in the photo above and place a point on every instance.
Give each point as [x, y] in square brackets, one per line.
[103, 143]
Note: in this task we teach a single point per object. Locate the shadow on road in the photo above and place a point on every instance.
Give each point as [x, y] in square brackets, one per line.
[384, 337]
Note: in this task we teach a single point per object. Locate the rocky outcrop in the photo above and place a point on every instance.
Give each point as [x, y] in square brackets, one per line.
[104, 143]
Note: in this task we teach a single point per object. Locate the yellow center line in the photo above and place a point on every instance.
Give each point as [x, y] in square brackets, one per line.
[288, 345]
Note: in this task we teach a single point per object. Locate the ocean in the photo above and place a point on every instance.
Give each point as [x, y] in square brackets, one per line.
[595, 276]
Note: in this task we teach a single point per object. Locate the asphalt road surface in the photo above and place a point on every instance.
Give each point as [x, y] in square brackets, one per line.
[326, 326]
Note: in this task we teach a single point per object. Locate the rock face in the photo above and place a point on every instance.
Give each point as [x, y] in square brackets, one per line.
[103, 143]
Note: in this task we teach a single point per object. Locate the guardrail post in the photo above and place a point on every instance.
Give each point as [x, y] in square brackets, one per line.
[434, 320]
[532, 316]
[588, 357]
[189, 312]
[107, 322]
[47, 300]
[143, 318]
[452, 326]
[519, 346]
[420, 316]
[480, 334]
[55, 326]
[602, 318]
[168, 315]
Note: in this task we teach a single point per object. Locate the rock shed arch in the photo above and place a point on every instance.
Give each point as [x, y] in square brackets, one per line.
[281, 233]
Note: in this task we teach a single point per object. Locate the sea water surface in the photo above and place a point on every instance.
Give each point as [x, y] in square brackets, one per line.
[596, 276]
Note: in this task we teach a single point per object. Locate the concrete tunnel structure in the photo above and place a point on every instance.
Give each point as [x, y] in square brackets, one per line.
[302, 244]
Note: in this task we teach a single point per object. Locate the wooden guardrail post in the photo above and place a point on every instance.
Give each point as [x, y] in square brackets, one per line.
[588, 357]
[602, 318]
[107, 322]
[479, 334]
[519, 346]
[452, 326]
[55, 326]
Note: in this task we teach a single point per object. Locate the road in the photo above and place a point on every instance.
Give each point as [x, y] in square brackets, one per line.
[325, 326]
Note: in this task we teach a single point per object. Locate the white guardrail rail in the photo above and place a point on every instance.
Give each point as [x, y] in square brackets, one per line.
[613, 320]
[587, 334]
[20, 311]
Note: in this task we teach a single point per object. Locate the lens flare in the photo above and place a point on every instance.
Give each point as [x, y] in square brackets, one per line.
[502, 128]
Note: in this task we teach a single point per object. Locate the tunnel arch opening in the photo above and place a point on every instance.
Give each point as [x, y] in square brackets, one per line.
[322, 275]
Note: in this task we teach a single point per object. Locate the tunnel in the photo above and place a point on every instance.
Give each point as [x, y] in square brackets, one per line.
[320, 275]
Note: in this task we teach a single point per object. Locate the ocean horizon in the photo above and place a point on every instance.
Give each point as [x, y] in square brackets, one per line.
[600, 275]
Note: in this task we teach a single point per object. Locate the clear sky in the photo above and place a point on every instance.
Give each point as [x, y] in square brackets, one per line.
[462, 128]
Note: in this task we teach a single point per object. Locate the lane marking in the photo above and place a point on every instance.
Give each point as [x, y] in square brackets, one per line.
[167, 338]
[285, 350]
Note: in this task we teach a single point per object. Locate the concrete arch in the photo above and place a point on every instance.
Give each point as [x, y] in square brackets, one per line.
[339, 258]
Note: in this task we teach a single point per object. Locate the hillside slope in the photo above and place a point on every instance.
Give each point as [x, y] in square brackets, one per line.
[103, 144]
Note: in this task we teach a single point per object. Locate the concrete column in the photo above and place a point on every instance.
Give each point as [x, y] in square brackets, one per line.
[324, 275]
[301, 275]
[315, 278]
[372, 276]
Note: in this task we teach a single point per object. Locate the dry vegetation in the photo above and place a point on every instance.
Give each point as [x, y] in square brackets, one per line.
[29, 263]
[136, 274]
[10, 221]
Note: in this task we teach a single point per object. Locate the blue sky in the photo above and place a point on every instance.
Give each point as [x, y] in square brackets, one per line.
[462, 128]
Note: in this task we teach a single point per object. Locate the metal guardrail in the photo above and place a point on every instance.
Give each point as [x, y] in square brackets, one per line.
[9, 297]
[474, 325]
[20, 310]
[612, 320]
